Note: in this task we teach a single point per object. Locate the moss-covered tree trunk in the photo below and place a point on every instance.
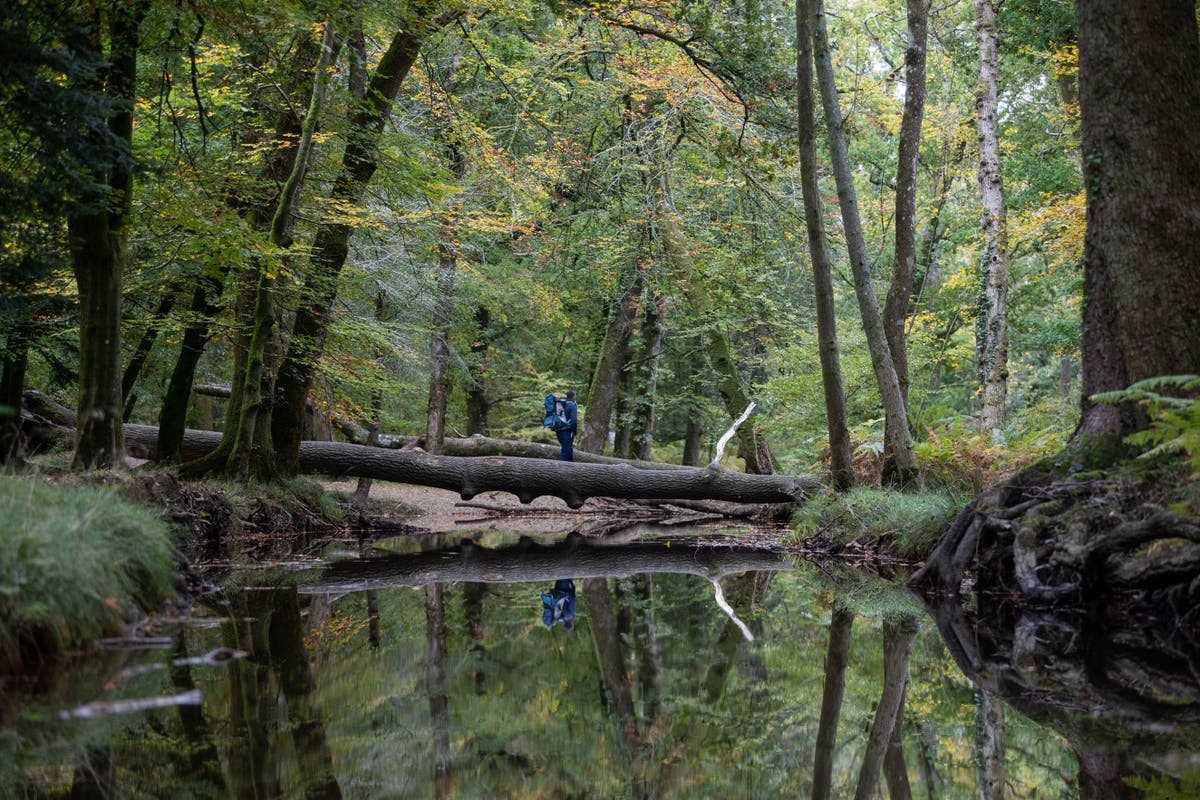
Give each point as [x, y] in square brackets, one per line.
[98, 235]
[331, 245]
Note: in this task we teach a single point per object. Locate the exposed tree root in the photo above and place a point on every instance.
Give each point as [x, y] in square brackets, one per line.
[1092, 598]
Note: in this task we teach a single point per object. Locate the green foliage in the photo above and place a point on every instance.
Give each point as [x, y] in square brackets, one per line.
[908, 524]
[73, 563]
[1163, 787]
[956, 457]
[1174, 419]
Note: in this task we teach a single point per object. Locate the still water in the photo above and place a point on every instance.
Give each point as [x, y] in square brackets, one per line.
[430, 671]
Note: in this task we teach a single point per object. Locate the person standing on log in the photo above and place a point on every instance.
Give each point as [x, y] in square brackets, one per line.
[566, 436]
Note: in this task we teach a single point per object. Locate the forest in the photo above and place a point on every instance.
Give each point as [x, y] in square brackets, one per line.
[947, 251]
[425, 218]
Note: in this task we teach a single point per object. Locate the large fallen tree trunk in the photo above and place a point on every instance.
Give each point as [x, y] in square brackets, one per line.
[458, 446]
[546, 563]
[527, 478]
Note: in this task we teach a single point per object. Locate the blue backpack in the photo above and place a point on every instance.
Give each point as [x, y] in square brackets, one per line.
[556, 414]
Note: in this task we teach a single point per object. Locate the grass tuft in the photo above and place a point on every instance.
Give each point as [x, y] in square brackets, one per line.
[907, 524]
[74, 561]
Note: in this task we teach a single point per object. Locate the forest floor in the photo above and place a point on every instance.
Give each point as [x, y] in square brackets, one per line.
[440, 510]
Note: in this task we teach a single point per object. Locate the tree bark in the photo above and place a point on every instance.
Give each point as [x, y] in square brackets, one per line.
[14, 361]
[1139, 81]
[443, 315]
[894, 407]
[899, 296]
[606, 378]
[99, 244]
[991, 324]
[840, 455]
[524, 477]
[141, 353]
[331, 245]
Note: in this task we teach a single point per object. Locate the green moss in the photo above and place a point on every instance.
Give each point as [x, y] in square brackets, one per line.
[73, 562]
[907, 524]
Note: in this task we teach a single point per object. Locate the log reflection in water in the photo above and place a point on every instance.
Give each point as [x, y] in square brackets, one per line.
[530, 562]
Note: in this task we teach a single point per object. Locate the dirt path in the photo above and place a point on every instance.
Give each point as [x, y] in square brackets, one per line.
[442, 510]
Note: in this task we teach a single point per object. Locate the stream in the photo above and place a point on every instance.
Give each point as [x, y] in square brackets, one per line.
[684, 667]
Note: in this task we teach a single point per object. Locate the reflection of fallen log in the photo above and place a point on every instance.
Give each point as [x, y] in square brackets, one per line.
[540, 563]
[526, 478]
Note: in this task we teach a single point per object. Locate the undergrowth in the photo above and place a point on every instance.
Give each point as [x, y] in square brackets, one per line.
[74, 562]
[907, 524]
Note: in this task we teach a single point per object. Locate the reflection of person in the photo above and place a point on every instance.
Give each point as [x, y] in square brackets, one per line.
[558, 604]
[566, 437]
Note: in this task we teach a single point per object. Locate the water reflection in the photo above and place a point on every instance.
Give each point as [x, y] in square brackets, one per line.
[433, 674]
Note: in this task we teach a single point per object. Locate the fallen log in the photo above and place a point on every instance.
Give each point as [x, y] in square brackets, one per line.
[527, 478]
[475, 445]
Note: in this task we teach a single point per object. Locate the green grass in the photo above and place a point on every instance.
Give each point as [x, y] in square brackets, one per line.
[73, 562]
[907, 524]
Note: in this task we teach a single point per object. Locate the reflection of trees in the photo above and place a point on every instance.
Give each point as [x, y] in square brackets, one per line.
[203, 758]
[266, 623]
[1115, 684]
[439, 704]
[836, 655]
[884, 749]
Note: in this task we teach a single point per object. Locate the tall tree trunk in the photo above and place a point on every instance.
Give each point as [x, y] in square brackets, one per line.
[14, 361]
[1139, 81]
[837, 655]
[896, 307]
[606, 378]
[331, 246]
[246, 447]
[443, 315]
[363, 491]
[691, 442]
[141, 353]
[654, 330]
[894, 407]
[991, 324]
[99, 244]
[477, 402]
[840, 454]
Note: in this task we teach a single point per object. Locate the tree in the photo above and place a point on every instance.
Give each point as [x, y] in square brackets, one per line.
[1141, 162]
[331, 245]
[894, 407]
[840, 458]
[991, 324]
[98, 233]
